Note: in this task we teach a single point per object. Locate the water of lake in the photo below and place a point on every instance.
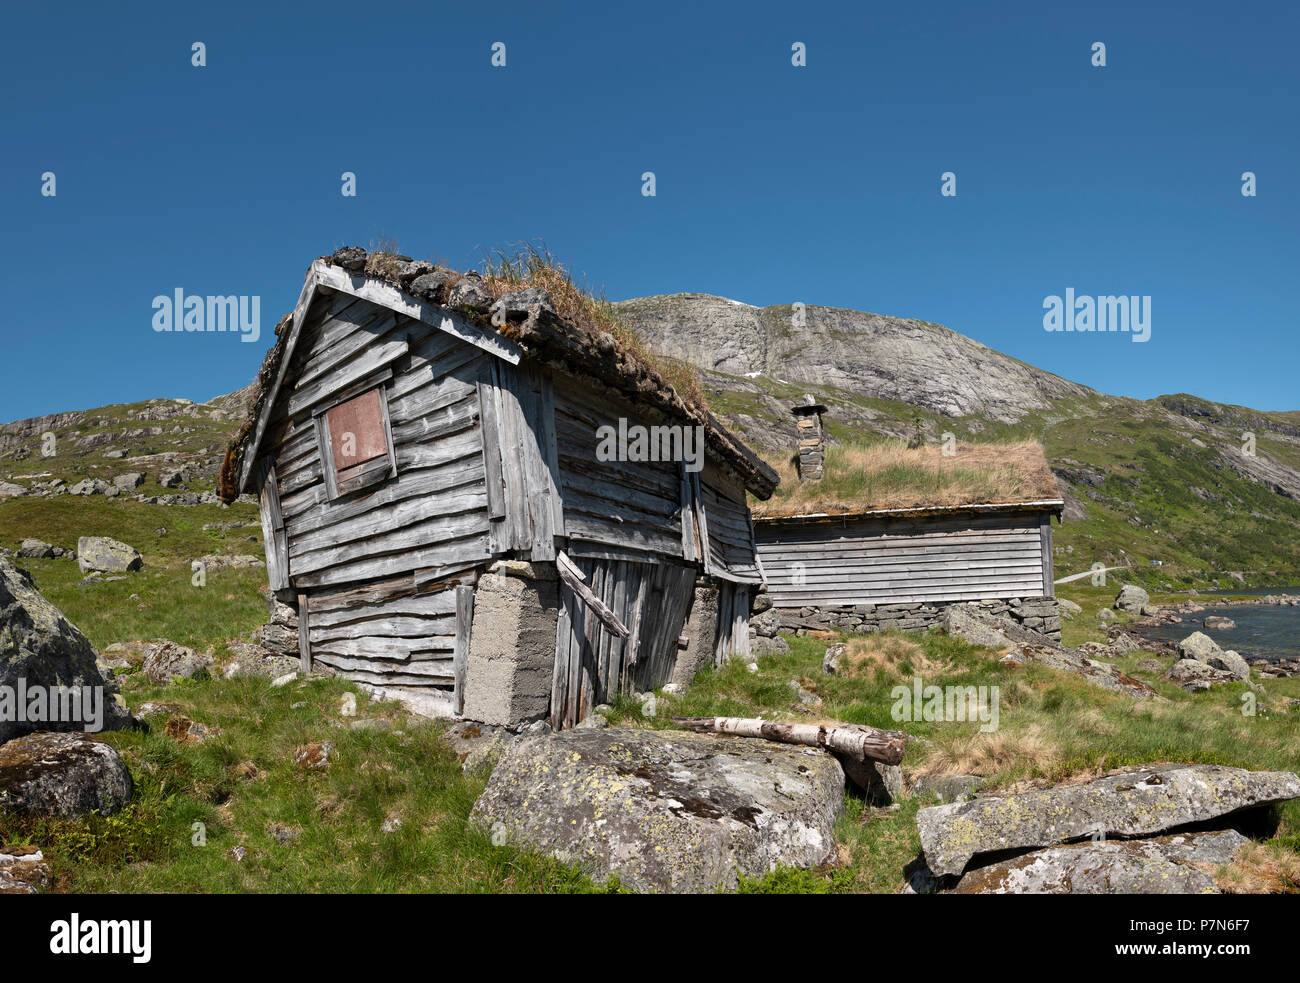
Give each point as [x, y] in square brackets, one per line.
[1263, 631]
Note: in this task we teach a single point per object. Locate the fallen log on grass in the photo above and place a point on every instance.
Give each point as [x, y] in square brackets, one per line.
[857, 742]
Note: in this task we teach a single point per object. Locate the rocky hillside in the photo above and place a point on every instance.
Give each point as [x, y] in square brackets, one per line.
[892, 358]
[1146, 481]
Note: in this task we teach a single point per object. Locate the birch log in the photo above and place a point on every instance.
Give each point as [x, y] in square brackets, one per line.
[858, 742]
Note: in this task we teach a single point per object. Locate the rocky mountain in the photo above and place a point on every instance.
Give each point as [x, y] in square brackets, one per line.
[891, 358]
[1184, 489]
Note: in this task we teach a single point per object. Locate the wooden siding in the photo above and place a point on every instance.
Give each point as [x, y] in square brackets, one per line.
[732, 641]
[883, 561]
[620, 503]
[393, 633]
[433, 514]
[730, 529]
[592, 664]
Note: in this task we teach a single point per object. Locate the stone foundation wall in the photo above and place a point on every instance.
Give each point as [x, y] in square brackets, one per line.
[1041, 614]
[512, 644]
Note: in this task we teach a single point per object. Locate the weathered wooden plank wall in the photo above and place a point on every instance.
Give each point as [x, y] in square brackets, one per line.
[731, 543]
[895, 560]
[592, 664]
[433, 514]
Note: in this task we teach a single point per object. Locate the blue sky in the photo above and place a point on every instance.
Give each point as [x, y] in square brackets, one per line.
[775, 184]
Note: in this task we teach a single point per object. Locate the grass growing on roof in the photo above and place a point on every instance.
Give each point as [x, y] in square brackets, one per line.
[530, 265]
[885, 474]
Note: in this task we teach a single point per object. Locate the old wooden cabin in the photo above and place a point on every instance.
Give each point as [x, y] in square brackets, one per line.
[436, 503]
[973, 524]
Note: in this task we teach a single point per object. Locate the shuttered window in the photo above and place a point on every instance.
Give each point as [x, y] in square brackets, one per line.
[356, 443]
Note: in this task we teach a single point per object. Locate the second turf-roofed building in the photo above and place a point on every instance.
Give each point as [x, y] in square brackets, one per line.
[863, 538]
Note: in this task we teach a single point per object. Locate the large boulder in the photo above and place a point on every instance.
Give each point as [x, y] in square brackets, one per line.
[1196, 676]
[34, 549]
[665, 810]
[167, 661]
[1231, 662]
[1164, 865]
[1135, 802]
[1131, 598]
[43, 655]
[62, 775]
[1199, 646]
[107, 555]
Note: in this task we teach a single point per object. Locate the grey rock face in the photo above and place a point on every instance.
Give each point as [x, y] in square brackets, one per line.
[515, 306]
[431, 286]
[1196, 676]
[130, 481]
[90, 486]
[1231, 662]
[107, 555]
[665, 811]
[62, 775]
[1139, 802]
[1132, 598]
[763, 645]
[175, 478]
[166, 661]
[1200, 646]
[469, 291]
[869, 354]
[39, 647]
[1157, 866]
[34, 549]
[351, 258]
[965, 622]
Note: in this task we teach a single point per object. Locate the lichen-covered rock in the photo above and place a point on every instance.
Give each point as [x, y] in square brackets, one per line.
[40, 651]
[966, 622]
[477, 746]
[516, 306]
[471, 292]
[664, 810]
[1232, 663]
[1100, 674]
[1164, 865]
[1199, 646]
[66, 774]
[167, 661]
[432, 286]
[23, 870]
[350, 258]
[1195, 676]
[1136, 802]
[107, 555]
[34, 549]
[1132, 598]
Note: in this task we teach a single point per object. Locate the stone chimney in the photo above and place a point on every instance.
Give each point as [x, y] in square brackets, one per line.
[808, 418]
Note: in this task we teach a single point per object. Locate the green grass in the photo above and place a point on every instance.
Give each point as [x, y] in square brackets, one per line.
[1052, 727]
[237, 784]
